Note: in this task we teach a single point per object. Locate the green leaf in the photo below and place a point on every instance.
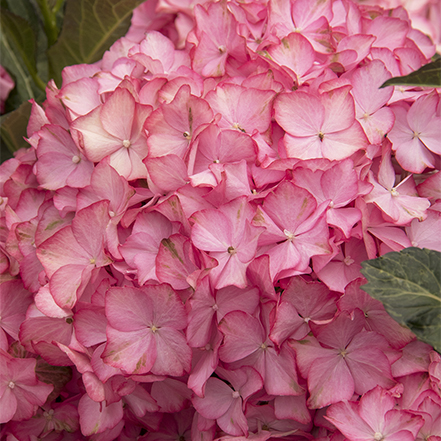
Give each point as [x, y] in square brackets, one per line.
[409, 285]
[90, 27]
[28, 10]
[18, 52]
[13, 129]
[427, 76]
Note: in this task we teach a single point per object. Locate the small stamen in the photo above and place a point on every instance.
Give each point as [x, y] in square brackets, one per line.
[76, 159]
[236, 394]
[348, 260]
[232, 251]
[288, 234]
[11, 385]
[127, 143]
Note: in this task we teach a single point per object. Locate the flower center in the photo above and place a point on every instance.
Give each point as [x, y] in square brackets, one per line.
[236, 394]
[49, 415]
[186, 135]
[232, 251]
[289, 235]
[378, 436]
[394, 192]
[154, 329]
[11, 384]
[222, 49]
[76, 159]
[348, 260]
[321, 135]
[127, 143]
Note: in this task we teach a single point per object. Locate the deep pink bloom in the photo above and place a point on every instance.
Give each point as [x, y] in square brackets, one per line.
[20, 390]
[374, 418]
[339, 362]
[144, 332]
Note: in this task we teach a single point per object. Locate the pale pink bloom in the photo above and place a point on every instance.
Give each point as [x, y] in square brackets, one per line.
[352, 49]
[157, 54]
[321, 126]
[215, 146]
[374, 418]
[229, 237]
[416, 133]
[81, 96]
[107, 184]
[115, 129]
[20, 390]
[430, 410]
[327, 186]
[431, 187]
[216, 40]
[72, 253]
[175, 261]
[376, 119]
[6, 85]
[424, 234]
[296, 229]
[399, 202]
[296, 55]
[310, 18]
[60, 161]
[172, 126]
[141, 247]
[245, 109]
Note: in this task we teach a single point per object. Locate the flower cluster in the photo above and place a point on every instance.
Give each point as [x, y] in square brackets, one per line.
[181, 244]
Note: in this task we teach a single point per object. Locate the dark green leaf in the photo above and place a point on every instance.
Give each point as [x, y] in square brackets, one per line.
[90, 27]
[18, 52]
[24, 9]
[409, 285]
[13, 129]
[427, 76]
[28, 10]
